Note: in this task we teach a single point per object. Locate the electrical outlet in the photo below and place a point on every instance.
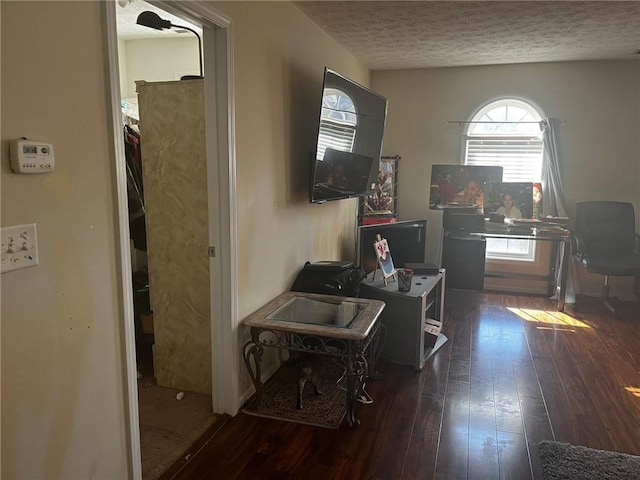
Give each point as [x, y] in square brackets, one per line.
[19, 247]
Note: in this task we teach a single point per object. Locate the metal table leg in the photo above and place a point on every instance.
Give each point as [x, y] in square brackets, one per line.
[254, 349]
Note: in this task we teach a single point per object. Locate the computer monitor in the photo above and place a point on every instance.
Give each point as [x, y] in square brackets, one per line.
[406, 240]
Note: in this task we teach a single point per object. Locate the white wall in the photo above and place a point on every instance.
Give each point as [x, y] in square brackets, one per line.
[63, 410]
[598, 103]
[280, 57]
[122, 69]
[158, 59]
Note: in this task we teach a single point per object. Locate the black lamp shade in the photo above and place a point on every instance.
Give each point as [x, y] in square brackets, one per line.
[152, 20]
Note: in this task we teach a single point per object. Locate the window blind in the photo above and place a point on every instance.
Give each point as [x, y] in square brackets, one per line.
[338, 136]
[520, 157]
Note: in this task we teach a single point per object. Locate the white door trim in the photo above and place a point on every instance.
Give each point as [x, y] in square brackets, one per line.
[129, 361]
[221, 172]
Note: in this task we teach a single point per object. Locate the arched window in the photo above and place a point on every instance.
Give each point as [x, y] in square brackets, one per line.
[338, 122]
[507, 132]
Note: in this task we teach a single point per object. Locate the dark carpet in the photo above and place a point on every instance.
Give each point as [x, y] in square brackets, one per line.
[561, 461]
[281, 392]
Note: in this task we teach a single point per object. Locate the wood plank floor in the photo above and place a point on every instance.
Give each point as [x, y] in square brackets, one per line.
[514, 372]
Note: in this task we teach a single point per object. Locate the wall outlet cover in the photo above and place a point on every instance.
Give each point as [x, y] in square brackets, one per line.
[19, 248]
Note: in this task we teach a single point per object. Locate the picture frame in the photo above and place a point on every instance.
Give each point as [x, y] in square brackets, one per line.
[520, 195]
[383, 201]
[383, 254]
[454, 186]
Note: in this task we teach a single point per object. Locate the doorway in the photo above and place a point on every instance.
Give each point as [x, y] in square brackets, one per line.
[221, 197]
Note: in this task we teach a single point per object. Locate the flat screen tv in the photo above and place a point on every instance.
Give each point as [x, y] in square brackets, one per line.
[346, 154]
[406, 240]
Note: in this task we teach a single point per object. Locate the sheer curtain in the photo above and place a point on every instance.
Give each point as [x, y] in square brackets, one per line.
[553, 194]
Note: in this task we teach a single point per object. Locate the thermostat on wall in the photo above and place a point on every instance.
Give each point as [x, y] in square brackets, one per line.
[31, 156]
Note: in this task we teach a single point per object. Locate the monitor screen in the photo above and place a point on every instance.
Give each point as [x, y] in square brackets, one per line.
[406, 240]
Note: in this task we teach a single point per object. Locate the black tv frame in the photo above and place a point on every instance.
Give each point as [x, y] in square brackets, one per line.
[407, 241]
[371, 113]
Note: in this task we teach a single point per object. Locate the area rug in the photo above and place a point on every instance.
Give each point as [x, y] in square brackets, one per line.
[280, 396]
[561, 461]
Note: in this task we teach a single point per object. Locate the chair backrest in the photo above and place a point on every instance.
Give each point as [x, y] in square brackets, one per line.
[606, 226]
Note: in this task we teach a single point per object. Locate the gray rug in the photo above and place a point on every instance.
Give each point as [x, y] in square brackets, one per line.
[561, 461]
[281, 392]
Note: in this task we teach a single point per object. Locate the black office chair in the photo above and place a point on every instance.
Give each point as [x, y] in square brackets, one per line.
[605, 242]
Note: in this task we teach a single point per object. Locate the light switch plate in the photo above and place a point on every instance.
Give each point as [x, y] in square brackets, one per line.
[19, 247]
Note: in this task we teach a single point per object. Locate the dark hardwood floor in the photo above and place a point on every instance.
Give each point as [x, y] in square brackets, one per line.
[514, 372]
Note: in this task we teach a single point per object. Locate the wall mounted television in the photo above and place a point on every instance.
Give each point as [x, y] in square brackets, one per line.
[346, 154]
[406, 239]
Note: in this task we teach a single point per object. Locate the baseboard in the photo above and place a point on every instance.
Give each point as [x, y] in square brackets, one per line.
[514, 290]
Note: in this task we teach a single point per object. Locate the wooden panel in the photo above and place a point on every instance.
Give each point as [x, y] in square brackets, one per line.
[513, 456]
[175, 192]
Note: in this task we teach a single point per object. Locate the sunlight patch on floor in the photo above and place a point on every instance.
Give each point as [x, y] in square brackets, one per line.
[557, 329]
[549, 318]
[635, 391]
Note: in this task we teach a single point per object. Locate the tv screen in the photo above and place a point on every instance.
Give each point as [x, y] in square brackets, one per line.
[406, 240]
[346, 155]
[341, 174]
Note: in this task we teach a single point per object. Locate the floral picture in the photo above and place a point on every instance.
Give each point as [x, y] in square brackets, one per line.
[382, 202]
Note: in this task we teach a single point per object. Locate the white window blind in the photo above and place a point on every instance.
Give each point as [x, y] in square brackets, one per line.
[520, 157]
[507, 133]
[336, 135]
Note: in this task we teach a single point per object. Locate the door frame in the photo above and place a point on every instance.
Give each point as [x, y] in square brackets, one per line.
[221, 179]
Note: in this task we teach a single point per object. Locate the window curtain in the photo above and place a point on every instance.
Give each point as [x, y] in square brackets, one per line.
[553, 194]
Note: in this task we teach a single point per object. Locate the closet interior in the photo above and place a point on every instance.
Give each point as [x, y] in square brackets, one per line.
[164, 146]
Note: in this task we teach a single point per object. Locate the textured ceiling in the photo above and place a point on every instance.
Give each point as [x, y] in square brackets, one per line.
[389, 35]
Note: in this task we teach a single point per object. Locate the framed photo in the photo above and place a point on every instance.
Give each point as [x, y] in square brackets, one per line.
[537, 200]
[383, 201]
[512, 199]
[384, 258]
[460, 185]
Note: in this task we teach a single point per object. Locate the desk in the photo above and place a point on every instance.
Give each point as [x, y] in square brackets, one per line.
[343, 327]
[563, 255]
